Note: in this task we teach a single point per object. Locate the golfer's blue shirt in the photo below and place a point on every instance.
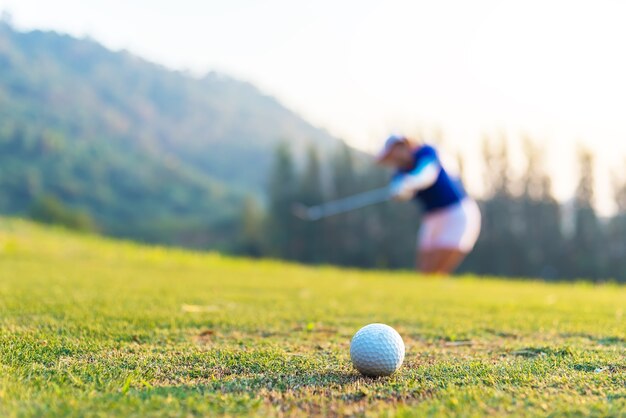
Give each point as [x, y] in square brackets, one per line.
[445, 191]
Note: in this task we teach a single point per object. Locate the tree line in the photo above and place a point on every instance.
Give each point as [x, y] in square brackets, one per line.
[526, 232]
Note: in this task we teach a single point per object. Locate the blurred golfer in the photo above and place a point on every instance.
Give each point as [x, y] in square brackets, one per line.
[451, 223]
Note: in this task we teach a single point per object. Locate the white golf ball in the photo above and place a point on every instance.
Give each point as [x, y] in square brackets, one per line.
[377, 350]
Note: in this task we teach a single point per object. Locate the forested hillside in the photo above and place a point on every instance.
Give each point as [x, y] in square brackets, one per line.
[146, 152]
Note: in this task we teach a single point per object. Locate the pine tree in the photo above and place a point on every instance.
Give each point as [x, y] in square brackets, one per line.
[280, 225]
[311, 234]
[541, 237]
[250, 241]
[586, 248]
[341, 236]
[496, 250]
[616, 238]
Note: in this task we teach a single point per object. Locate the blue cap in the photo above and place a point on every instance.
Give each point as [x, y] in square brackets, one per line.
[389, 143]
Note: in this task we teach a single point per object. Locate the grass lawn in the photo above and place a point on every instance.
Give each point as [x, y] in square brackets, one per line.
[93, 327]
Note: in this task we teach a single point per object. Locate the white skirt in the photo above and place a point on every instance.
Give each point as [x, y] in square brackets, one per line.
[455, 227]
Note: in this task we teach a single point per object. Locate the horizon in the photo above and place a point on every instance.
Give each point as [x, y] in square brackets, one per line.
[465, 91]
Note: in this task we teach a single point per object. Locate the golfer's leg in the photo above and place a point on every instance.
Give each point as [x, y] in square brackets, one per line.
[437, 261]
[440, 261]
[457, 238]
[465, 242]
[448, 260]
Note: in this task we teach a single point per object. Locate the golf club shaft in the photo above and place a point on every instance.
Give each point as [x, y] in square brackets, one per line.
[350, 203]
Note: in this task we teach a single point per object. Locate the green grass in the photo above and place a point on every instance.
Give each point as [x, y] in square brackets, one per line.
[91, 327]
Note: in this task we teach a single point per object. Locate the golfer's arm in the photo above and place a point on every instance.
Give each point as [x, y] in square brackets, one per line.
[422, 177]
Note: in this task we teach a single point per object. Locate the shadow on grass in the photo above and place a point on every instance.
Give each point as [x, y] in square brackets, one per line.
[602, 340]
[307, 394]
[349, 383]
[596, 367]
[543, 351]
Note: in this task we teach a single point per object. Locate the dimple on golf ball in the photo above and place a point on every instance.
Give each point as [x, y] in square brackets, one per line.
[377, 350]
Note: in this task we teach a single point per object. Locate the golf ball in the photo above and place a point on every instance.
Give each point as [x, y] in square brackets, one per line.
[377, 350]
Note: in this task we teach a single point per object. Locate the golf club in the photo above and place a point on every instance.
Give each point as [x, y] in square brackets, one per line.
[346, 204]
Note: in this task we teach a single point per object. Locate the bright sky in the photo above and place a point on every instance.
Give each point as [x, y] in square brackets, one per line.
[555, 69]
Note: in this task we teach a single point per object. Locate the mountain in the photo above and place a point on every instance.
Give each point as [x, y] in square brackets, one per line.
[147, 152]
